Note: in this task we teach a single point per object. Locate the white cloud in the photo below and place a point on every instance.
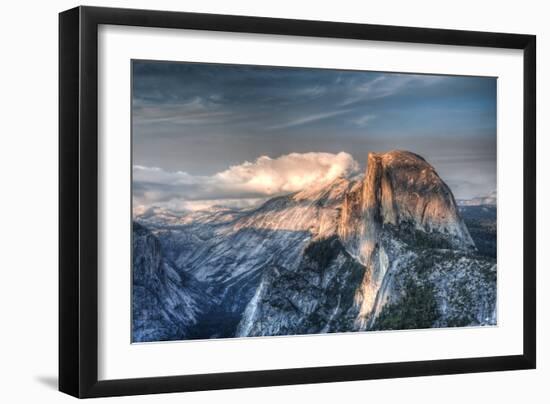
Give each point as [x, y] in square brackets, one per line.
[363, 120]
[387, 85]
[288, 173]
[311, 92]
[197, 111]
[309, 118]
[240, 185]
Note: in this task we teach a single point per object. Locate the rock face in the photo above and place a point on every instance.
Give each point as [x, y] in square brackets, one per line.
[401, 197]
[482, 224]
[401, 190]
[165, 301]
[317, 297]
[387, 250]
[229, 251]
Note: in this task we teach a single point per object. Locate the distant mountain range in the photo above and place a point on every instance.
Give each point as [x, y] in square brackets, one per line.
[490, 200]
[387, 250]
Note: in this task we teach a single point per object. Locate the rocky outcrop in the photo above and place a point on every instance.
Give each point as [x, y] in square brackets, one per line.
[403, 191]
[317, 297]
[401, 200]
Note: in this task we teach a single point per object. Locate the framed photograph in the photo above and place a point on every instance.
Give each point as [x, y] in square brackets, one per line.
[251, 201]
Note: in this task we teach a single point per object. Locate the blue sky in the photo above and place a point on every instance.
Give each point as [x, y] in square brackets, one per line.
[201, 119]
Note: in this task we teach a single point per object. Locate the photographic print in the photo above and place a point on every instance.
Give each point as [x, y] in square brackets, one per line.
[279, 201]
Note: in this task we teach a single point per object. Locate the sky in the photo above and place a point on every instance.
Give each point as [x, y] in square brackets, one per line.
[215, 134]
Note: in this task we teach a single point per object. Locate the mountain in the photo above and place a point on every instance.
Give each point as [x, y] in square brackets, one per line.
[387, 250]
[401, 203]
[480, 216]
[402, 226]
[229, 251]
[165, 301]
[489, 200]
[481, 221]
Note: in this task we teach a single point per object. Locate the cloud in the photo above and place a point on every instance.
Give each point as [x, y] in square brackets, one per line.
[363, 120]
[175, 207]
[240, 185]
[196, 111]
[309, 118]
[183, 112]
[288, 173]
[311, 92]
[386, 85]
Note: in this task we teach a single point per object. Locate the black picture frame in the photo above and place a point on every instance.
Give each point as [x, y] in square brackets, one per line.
[78, 201]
